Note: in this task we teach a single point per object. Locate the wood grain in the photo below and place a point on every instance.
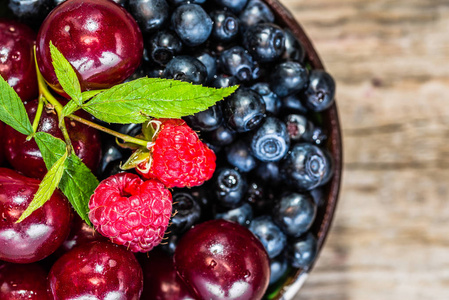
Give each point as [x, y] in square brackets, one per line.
[390, 59]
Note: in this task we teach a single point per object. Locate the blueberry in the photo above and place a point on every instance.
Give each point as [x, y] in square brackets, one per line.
[256, 12]
[186, 212]
[306, 166]
[270, 142]
[210, 62]
[170, 242]
[239, 155]
[233, 5]
[294, 213]
[162, 46]
[221, 136]
[268, 172]
[111, 168]
[278, 268]
[272, 101]
[206, 120]
[237, 62]
[302, 251]
[30, 11]
[318, 136]
[179, 2]
[258, 195]
[265, 42]
[294, 50]
[141, 71]
[156, 72]
[226, 25]
[269, 234]
[298, 127]
[244, 110]
[223, 80]
[230, 187]
[192, 24]
[320, 93]
[111, 152]
[292, 103]
[149, 14]
[186, 68]
[242, 214]
[288, 78]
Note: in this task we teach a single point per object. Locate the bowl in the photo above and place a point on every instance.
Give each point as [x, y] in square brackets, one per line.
[331, 124]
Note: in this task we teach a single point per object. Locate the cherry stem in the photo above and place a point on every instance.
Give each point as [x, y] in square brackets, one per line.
[45, 93]
[37, 117]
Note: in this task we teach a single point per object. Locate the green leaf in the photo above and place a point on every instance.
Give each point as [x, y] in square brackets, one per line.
[70, 108]
[77, 183]
[73, 106]
[137, 100]
[12, 110]
[46, 188]
[66, 74]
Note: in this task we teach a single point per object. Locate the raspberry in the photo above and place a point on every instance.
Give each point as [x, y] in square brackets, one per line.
[179, 157]
[130, 211]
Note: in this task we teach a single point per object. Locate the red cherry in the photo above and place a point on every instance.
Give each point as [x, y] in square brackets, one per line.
[25, 157]
[98, 37]
[28, 281]
[219, 259]
[40, 234]
[96, 270]
[80, 234]
[161, 281]
[2, 134]
[17, 59]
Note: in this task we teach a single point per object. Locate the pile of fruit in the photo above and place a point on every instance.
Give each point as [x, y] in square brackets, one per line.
[156, 149]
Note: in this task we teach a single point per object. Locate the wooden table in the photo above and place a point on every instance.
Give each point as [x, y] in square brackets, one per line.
[390, 58]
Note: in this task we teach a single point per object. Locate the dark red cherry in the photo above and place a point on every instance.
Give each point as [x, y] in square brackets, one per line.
[80, 234]
[17, 59]
[2, 135]
[219, 259]
[42, 232]
[25, 157]
[20, 282]
[98, 37]
[161, 282]
[96, 270]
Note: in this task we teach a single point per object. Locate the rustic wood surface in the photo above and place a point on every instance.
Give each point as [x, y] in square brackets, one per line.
[390, 58]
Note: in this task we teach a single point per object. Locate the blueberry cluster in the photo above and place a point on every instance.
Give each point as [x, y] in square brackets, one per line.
[270, 146]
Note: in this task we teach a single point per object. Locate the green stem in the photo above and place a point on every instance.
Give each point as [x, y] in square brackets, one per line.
[119, 135]
[37, 118]
[45, 92]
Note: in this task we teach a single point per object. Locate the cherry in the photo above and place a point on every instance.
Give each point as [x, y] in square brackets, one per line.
[97, 270]
[41, 233]
[27, 281]
[219, 259]
[161, 281]
[2, 133]
[80, 234]
[98, 37]
[25, 157]
[17, 59]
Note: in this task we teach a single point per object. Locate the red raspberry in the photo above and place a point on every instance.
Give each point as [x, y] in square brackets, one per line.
[130, 211]
[179, 157]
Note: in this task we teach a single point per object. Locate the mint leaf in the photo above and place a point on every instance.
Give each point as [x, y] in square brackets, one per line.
[137, 100]
[72, 106]
[66, 74]
[77, 182]
[12, 110]
[46, 188]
